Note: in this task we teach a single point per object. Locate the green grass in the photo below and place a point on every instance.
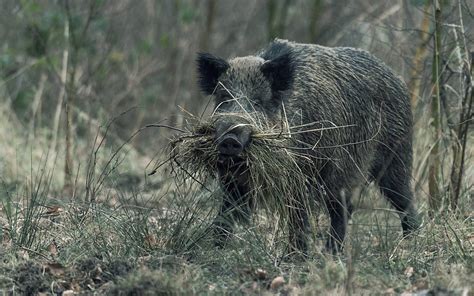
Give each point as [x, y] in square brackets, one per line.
[152, 237]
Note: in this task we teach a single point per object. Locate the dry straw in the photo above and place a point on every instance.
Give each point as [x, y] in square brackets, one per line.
[278, 182]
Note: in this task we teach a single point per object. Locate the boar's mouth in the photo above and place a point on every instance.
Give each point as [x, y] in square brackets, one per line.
[231, 153]
[233, 168]
[230, 161]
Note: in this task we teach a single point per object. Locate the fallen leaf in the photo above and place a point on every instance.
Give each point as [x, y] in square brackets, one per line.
[277, 282]
[471, 239]
[53, 248]
[150, 240]
[75, 286]
[67, 293]
[409, 272]
[261, 274]
[55, 268]
[53, 211]
[106, 286]
[23, 254]
[421, 284]
[98, 269]
[144, 259]
[5, 236]
[254, 286]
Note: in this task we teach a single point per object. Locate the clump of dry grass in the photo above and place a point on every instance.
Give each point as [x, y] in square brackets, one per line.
[278, 182]
[194, 154]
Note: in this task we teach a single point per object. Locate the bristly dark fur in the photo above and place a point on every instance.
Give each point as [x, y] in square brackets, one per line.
[209, 70]
[274, 50]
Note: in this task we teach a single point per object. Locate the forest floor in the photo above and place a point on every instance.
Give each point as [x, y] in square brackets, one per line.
[148, 241]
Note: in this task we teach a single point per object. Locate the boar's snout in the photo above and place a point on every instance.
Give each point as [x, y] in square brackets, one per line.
[229, 145]
[232, 141]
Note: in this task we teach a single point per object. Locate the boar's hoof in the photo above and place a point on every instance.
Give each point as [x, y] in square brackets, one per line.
[334, 246]
[222, 233]
[410, 223]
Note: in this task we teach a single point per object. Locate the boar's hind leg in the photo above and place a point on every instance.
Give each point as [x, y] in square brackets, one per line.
[339, 208]
[395, 185]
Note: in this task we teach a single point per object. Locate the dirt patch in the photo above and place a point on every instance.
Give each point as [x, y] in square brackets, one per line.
[32, 278]
[91, 273]
[153, 282]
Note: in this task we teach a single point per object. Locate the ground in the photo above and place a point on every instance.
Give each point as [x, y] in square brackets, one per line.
[145, 242]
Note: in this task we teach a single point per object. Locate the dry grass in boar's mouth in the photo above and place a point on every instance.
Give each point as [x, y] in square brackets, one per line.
[276, 179]
[195, 154]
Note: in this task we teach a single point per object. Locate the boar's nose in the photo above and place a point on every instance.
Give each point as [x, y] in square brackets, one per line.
[230, 145]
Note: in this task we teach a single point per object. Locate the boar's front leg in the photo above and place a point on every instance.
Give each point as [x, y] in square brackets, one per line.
[223, 224]
[298, 227]
[235, 207]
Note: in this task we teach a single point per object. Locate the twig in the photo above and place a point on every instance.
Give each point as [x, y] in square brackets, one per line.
[162, 126]
[264, 135]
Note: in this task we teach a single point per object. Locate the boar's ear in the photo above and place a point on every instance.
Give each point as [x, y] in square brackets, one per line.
[209, 69]
[279, 71]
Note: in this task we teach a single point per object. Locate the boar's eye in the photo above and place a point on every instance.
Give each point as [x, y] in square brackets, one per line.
[223, 101]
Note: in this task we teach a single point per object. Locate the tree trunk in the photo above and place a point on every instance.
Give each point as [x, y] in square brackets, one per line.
[36, 105]
[420, 55]
[316, 11]
[207, 32]
[272, 9]
[62, 92]
[434, 181]
[69, 141]
[460, 141]
[276, 22]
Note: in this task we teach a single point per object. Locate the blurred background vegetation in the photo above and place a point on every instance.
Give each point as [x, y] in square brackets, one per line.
[68, 67]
